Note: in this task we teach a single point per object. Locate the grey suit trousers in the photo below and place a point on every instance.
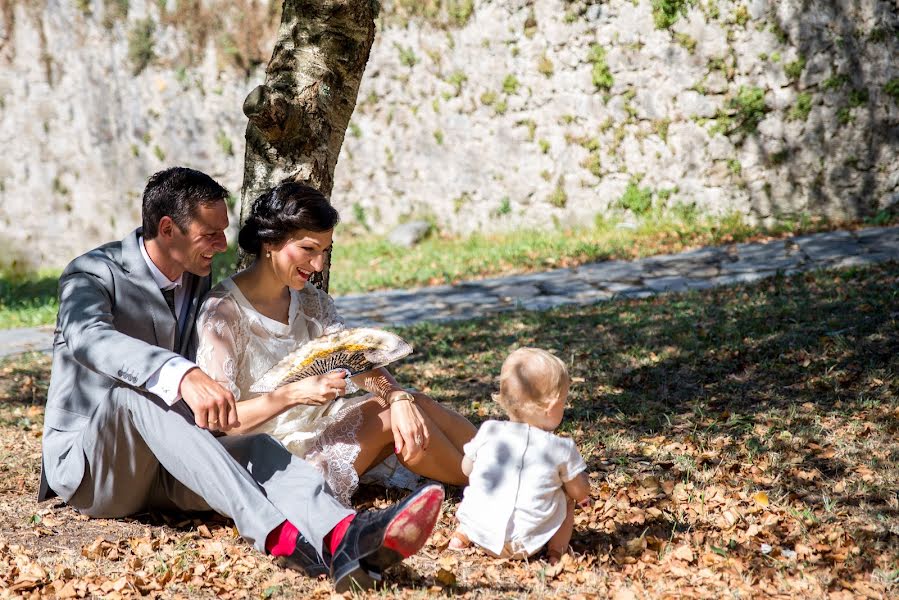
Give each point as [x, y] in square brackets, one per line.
[139, 453]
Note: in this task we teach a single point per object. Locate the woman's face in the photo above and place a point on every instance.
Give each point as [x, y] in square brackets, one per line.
[300, 256]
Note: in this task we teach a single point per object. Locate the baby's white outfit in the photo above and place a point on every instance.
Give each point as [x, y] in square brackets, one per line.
[514, 501]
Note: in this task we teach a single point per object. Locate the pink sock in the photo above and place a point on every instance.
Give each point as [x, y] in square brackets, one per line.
[282, 540]
[335, 536]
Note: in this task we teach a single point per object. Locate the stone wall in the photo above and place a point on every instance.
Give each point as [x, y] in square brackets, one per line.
[81, 131]
[515, 113]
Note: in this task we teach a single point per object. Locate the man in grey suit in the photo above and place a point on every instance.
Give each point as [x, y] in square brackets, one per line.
[129, 418]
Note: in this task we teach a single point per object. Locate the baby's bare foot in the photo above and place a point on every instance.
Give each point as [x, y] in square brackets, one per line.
[459, 541]
[553, 556]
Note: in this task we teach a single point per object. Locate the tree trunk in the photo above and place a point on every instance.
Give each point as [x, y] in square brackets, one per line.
[298, 117]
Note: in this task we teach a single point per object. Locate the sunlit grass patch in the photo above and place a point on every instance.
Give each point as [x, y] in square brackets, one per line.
[367, 263]
[27, 300]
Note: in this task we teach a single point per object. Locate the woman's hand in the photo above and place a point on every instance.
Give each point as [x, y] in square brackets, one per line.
[410, 434]
[315, 390]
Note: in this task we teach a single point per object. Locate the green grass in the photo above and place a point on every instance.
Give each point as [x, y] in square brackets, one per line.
[602, 75]
[686, 408]
[783, 375]
[366, 263]
[28, 300]
[665, 13]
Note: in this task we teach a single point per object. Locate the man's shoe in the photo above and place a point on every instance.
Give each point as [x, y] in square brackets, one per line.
[377, 539]
[304, 559]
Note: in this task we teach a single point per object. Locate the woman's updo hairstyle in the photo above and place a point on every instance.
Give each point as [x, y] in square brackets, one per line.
[283, 210]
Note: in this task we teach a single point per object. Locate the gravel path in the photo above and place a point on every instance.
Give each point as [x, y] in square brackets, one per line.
[694, 270]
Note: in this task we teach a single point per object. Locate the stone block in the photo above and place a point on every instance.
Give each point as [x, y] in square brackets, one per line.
[570, 287]
[824, 246]
[513, 292]
[740, 278]
[611, 271]
[709, 255]
[823, 251]
[691, 103]
[471, 298]
[875, 238]
[761, 257]
[543, 302]
[668, 284]
[591, 296]
[861, 260]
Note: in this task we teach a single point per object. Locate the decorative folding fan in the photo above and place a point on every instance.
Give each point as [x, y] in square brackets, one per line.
[354, 350]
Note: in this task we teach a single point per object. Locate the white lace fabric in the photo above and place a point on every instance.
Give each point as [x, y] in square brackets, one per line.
[237, 345]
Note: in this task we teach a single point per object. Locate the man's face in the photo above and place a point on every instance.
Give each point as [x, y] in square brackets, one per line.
[192, 250]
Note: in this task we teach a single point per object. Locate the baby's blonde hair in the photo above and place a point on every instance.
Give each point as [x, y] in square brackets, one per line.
[530, 379]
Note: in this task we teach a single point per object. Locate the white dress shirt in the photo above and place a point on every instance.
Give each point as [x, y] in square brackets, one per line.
[166, 382]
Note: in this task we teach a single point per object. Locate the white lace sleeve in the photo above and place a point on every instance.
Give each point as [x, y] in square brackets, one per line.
[220, 341]
[319, 306]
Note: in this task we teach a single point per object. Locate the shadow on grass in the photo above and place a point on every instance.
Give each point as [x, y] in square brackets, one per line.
[728, 353]
[787, 386]
[796, 374]
[24, 380]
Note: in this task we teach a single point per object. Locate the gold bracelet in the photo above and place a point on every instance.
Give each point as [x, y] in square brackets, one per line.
[401, 397]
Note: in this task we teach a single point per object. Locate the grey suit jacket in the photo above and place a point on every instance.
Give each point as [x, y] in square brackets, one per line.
[113, 329]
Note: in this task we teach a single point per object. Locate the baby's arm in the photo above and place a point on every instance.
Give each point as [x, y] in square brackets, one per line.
[578, 488]
[467, 465]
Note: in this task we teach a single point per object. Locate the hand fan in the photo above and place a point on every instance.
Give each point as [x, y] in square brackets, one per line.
[355, 350]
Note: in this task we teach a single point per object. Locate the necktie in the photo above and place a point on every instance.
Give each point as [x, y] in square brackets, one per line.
[169, 296]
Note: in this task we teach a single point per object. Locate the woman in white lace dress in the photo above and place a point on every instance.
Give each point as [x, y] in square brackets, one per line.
[253, 319]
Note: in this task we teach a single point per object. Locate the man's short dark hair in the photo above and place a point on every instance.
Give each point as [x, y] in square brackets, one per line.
[177, 192]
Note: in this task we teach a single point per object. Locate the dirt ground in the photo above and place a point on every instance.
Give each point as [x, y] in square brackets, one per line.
[740, 443]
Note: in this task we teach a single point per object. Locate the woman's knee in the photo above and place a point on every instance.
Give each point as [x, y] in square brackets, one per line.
[376, 414]
[426, 403]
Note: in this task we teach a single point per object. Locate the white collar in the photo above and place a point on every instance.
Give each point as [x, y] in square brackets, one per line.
[163, 282]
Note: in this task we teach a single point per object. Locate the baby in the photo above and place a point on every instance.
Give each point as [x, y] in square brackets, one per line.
[523, 479]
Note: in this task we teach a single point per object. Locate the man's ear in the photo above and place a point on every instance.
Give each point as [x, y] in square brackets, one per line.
[166, 227]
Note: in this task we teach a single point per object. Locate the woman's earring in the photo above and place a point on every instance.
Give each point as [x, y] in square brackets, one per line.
[268, 254]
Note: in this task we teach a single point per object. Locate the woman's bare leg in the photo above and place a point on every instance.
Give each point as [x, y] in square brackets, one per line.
[457, 429]
[558, 543]
[442, 460]
[374, 436]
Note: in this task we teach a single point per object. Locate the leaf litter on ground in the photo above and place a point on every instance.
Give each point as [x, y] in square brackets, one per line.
[739, 441]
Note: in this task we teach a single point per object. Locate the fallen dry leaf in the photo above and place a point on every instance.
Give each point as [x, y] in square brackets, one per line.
[445, 577]
[684, 553]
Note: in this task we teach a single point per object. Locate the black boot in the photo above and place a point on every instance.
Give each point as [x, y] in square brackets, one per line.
[378, 539]
[304, 559]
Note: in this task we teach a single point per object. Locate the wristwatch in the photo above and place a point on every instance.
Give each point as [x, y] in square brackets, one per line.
[400, 397]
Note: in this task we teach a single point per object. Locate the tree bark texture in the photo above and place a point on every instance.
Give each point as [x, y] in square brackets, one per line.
[298, 117]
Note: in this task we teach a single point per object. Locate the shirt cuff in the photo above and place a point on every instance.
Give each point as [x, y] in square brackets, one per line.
[166, 382]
